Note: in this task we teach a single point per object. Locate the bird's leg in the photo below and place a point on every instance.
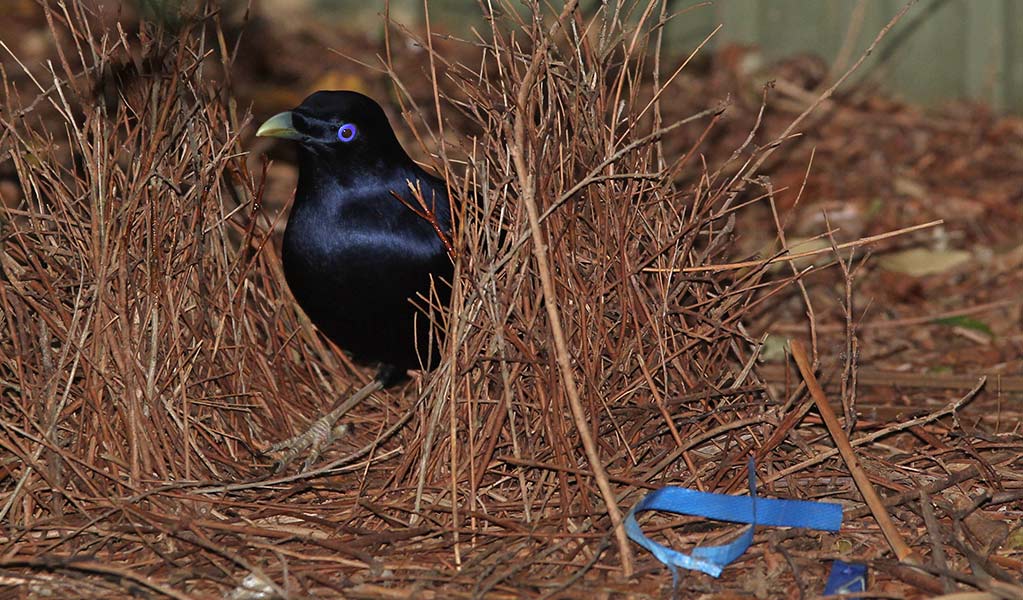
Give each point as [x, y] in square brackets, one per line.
[323, 431]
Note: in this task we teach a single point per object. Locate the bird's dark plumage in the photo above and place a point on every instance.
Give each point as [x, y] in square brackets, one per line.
[355, 256]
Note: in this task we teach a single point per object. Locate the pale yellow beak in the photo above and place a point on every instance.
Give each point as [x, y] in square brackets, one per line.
[279, 126]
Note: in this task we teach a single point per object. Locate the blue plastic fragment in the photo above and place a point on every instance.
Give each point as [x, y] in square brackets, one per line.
[846, 578]
[737, 509]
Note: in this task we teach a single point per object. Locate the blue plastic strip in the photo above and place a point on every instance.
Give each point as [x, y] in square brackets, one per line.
[846, 578]
[737, 509]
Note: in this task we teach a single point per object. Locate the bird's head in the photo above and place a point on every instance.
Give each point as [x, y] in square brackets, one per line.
[336, 123]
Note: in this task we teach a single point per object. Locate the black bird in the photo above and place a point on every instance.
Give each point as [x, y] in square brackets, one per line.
[360, 253]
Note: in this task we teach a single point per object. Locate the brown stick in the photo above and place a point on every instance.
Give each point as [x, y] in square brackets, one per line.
[934, 381]
[526, 182]
[789, 257]
[884, 520]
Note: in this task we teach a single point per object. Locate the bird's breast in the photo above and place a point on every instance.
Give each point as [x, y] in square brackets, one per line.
[356, 267]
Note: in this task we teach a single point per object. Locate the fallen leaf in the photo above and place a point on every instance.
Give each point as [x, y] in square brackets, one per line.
[918, 262]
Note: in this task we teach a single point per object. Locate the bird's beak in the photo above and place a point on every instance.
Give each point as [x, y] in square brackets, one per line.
[279, 126]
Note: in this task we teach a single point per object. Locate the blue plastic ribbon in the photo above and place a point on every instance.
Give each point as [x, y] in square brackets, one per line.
[846, 578]
[737, 509]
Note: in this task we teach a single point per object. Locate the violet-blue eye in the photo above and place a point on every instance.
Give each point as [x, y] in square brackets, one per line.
[347, 132]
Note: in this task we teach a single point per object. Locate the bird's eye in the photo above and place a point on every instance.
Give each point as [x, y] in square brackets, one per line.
[347, 132]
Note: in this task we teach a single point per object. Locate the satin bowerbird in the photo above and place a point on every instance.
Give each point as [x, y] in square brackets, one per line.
[364, 249]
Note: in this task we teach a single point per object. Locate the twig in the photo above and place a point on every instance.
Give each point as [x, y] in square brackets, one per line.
[934, 381]
[526, 184]
[884, 520]
[922, 320]
[92, 567]
[948, 409]
[936, 539]
[788, 257]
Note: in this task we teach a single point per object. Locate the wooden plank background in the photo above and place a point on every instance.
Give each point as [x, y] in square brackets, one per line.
[943, 50]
